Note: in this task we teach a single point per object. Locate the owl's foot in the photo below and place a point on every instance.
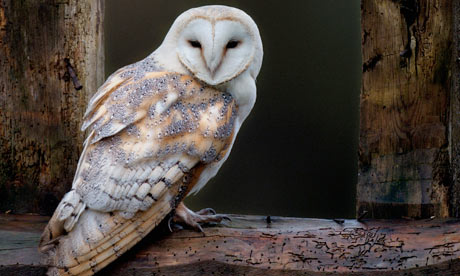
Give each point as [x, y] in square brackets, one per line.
[194, 220]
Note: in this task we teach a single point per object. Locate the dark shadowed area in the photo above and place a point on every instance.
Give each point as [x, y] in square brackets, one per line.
[296, 154]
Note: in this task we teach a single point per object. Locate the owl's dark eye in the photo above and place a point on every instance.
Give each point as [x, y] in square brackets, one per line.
[232, 44]
[195, 44]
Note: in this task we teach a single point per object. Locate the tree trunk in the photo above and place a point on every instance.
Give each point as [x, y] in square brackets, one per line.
[406, 135]
[254, 245]
[49, 50]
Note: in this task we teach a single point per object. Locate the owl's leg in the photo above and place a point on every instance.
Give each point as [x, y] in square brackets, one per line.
[188, 217]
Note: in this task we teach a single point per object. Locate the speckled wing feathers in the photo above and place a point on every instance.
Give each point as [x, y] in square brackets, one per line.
[147, 127]
[148, 133]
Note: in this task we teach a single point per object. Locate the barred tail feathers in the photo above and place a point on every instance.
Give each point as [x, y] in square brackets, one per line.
[100, 237]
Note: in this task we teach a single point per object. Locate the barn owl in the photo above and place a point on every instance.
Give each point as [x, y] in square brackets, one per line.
[159, 129]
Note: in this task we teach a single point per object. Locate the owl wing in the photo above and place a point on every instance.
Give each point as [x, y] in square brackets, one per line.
[150, 136]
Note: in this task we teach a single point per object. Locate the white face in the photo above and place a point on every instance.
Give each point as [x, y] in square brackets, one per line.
[215, 52]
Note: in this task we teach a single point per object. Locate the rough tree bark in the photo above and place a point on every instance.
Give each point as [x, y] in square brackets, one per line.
[407, 132]
[253, 245]
[45, 46]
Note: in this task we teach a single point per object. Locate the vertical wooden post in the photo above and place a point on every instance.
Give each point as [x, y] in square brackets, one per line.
[455, 114]
[41, 43]
[408, 140]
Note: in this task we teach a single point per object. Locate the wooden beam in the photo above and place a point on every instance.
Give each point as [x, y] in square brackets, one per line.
[406, 134]
[454, 134]
[51, 62]
[250, 245]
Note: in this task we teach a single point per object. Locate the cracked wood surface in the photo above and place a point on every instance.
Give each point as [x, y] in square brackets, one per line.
[44, 47]
[248, 245]
[406, 134]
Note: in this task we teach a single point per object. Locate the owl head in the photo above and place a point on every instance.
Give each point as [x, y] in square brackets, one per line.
[214, 43]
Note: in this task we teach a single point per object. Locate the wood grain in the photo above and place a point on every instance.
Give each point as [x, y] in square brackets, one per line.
[41, 110]
[250, 246]
[454, 113]
[404, 158]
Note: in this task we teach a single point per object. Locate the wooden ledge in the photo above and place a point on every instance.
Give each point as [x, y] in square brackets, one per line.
[248, 245]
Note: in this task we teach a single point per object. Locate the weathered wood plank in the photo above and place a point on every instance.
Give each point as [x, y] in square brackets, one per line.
[285, 246]
[454, 119]
[40, 108]
[404, 158]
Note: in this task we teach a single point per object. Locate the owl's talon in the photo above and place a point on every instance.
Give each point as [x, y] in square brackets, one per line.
[206, 211]
[194, 220]
[199, 228]
[169, 224]
[175, 226]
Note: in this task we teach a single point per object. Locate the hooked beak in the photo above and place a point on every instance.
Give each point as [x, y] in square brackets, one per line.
[213, 59]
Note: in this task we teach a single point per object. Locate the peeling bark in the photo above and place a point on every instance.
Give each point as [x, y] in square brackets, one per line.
[40, 107]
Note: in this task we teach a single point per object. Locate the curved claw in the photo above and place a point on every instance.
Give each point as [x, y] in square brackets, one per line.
[169, 224]
[206, 211]
[200, 228]
[194, 224]
[176, 226]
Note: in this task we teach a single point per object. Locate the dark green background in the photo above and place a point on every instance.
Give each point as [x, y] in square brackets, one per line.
[296, 154]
